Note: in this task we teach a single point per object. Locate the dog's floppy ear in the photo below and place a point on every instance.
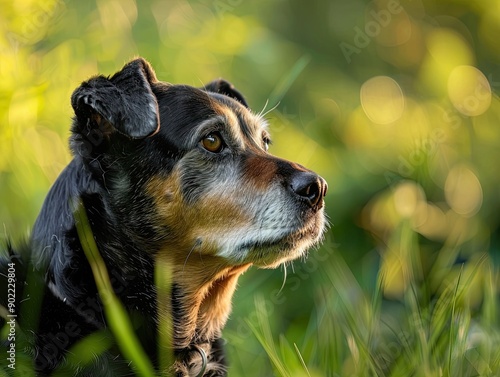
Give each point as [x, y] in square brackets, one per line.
[125, 101]
[224, 87]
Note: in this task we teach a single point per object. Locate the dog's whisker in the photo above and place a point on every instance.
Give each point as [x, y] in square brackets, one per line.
[196, 244]
[199, 253]
[284, 279]
[268, 111]
[259, 114]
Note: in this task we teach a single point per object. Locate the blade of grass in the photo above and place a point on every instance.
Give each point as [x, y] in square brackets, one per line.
[163, 281]
[453, 308]
[287, 80]
[116, 315]
[84, 352]
[352, 305]
[301, 359]
[327, 341]
[490, 309]
[263, 333]
[459, 292]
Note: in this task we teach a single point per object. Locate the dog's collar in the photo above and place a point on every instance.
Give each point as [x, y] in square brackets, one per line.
[204, 360]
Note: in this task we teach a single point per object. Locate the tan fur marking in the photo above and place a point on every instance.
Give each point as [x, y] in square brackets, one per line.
[207, 282]
[209, 217]
[207, 286]
[260, 171]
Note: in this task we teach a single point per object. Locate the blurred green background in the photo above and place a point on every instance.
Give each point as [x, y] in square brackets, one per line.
[394, 103]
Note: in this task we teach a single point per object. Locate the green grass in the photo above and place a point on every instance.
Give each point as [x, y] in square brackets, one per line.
[116, 315]
[452, 332]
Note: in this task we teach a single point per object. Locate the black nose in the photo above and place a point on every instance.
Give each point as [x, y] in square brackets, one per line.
[309, 187]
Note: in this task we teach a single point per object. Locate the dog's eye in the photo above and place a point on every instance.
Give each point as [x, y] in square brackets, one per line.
[213, 142]
[267, 141]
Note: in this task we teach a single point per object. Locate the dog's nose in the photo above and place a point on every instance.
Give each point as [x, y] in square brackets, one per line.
[309, 187]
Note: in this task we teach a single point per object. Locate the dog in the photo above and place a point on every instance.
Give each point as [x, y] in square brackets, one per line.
[171, 175]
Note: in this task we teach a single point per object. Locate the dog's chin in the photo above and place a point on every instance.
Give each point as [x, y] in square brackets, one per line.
[274, 259]
[271, 254]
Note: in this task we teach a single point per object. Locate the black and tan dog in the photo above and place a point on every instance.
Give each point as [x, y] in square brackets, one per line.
[171, 174]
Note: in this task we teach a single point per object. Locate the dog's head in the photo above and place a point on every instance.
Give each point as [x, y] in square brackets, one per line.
[188, 170]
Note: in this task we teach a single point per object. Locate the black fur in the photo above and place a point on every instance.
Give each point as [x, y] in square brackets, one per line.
[226, 88]
[112, 115]
[119, 148]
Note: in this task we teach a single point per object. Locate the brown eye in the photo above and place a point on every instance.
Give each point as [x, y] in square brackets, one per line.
[213, 142]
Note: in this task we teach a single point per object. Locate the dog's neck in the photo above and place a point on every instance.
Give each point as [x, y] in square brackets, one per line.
[202, 288]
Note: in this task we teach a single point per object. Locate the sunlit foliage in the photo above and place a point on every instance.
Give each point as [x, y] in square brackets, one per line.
[394, 103]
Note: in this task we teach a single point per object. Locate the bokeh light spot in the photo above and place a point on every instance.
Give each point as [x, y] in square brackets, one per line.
[407, 196]
[463, 191]
[448, 48]
[382, 100]
[469, 90]
[430, 221]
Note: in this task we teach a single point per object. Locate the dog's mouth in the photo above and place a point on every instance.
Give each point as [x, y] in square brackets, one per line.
[288, 245]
